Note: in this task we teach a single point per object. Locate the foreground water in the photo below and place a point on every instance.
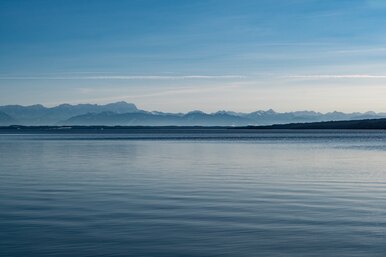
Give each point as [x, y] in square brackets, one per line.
[193, 194]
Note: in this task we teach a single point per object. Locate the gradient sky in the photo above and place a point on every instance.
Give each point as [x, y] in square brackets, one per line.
[184, 55]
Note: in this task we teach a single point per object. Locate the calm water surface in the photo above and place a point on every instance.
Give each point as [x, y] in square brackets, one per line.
[193, 194]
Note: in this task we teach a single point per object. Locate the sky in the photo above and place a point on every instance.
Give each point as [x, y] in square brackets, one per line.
[208, 55]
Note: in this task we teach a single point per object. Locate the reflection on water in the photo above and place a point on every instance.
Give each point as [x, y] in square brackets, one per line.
[264, 194]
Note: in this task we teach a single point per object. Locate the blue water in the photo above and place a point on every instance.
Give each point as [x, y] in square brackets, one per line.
[193, 194]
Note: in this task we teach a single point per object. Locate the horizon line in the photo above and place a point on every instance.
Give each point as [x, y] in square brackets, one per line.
[196, 110]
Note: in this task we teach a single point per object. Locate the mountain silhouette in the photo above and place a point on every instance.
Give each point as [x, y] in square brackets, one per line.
[127, 114]
[40, 115]
[5, 119]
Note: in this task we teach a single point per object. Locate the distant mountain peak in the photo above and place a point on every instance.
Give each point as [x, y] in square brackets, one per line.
[121, 107]
[270, 111]
[124, 113]
[122, 103]
[196, 112]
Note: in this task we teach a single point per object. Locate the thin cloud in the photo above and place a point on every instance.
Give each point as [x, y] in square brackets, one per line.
[342, 76]
[360, 50]
[123, 77]
[129, 96]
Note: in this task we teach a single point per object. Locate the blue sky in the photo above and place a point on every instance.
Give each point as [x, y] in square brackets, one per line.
[184, 55]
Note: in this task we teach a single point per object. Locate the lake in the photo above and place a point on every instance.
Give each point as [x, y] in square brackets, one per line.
[193, 193]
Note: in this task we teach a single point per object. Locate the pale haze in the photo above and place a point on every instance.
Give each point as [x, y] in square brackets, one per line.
[179, 56]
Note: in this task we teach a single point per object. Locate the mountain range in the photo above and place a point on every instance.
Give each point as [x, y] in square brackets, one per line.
[127, 114]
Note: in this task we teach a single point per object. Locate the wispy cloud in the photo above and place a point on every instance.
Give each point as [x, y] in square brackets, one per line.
[360, 50]
[338, 76]
[128, 95]
[123, 77]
